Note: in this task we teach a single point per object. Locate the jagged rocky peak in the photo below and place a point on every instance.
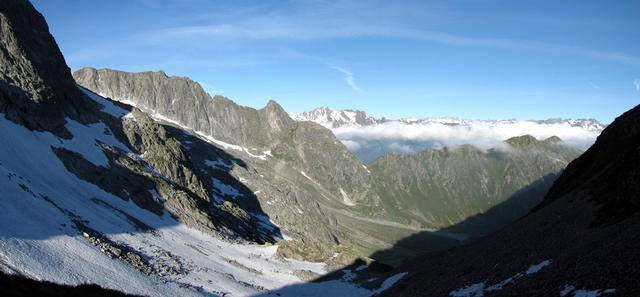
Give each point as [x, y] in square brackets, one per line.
[181, 100]
[36, 87]
[276, 116]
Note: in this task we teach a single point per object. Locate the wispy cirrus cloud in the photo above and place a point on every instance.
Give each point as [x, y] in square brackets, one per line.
[340, 20]
[348, 77]
[637, 84]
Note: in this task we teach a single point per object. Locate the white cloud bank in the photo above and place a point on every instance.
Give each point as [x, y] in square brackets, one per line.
[369, 142]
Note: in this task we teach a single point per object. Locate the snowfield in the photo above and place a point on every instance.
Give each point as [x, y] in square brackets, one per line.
[39, 239]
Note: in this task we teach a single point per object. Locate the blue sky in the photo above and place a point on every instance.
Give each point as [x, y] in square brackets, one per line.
[471, 59]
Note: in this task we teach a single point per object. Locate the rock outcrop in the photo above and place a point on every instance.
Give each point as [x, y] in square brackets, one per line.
[36, 87]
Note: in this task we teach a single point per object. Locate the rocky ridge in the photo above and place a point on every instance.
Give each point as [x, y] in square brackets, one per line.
[184, 101]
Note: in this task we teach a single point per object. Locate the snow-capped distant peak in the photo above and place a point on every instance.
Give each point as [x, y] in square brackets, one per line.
[586, 124]
[369, 137]
[334, 119]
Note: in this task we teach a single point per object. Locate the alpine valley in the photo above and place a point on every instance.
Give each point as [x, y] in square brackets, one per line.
[120, 183]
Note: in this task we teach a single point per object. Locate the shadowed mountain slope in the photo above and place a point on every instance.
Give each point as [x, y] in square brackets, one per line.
[583, 238]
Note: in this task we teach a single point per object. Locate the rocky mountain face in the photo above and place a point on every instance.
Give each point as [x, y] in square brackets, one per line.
[290, 167]
[257, 134]
[36, 87]
[607, 173]
[182, 100]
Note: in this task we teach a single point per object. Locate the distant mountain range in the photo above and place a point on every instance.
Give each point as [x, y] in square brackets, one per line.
[369, 137]
[333, 119]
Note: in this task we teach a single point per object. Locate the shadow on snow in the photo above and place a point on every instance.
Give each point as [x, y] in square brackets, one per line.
[53, 187]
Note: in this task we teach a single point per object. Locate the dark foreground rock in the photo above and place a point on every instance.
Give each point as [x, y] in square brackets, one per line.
[15, 285]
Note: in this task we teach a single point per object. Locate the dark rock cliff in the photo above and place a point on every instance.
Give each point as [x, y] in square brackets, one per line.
[36, 87]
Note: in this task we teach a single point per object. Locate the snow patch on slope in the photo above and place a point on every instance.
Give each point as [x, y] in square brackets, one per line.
[390, 282]
[305, 175]
[218, 164]
[85, 141]
[159, 117]
[224, 189]
[40, 194]
[584, 293]
[108, 106]
[345, 198]
[340, 287]
[478, 289]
